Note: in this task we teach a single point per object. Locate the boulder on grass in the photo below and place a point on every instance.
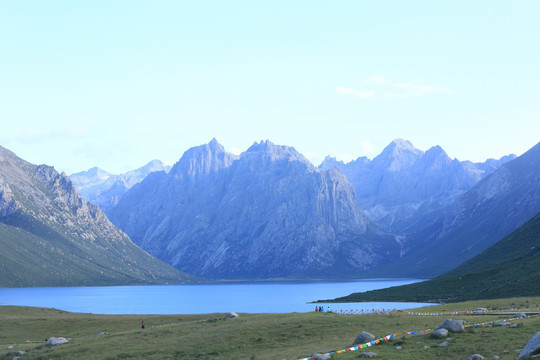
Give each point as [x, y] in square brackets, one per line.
[476, 357]
[440, 333]
[454, 326]
[53, 341]
[233, 315]
[363, 338]
[532, 348]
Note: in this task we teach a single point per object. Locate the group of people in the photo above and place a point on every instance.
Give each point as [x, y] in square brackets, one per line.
[321, 309]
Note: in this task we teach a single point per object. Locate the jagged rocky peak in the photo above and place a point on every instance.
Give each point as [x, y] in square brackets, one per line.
[330, 162]
[398, 155]
[435, 157]
[271, 152]
[204, 159]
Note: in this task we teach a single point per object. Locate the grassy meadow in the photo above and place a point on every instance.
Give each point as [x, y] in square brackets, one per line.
[257, 336]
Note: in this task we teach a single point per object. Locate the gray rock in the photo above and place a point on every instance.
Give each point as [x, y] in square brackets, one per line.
[440, 333]
[495, 357]
[480, 310]
[425, 347]
[53, 341]
[532, 348]
[502, 324]
[367, 354]
[21, 352]
[514, 325]
[443, 344]
[10, 347]
[476, 357]
[454, 326]
[233, 315]
[363, 338]
[521, 314]
[322, 356]
[399, 347]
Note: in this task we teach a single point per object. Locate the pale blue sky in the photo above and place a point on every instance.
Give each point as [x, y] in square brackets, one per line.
[116, 84]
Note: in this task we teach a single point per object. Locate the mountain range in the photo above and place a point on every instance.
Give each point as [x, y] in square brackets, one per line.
[270, 213]
[50, 236]
[493, 208]
[264, 214]
[404, 184]
[105, 190]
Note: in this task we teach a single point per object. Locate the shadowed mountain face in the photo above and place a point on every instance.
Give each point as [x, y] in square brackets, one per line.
[403, 187]
[49, 236]
[499, 204]
[510, 267]
[266, 213]
[105, 190]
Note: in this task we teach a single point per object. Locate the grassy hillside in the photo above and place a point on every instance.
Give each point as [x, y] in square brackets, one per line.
[254, 336]
[34, 254]
[510, 267]
[49, 236]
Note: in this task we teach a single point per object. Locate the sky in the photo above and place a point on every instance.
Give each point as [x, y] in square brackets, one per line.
[115, 84]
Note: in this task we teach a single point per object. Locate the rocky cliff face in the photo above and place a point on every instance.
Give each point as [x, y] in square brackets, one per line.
[105, 190]
[493, 208]
[41, 213]
[267, 213]
[403, 185]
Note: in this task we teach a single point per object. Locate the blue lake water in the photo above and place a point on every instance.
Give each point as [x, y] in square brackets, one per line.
[253, 297]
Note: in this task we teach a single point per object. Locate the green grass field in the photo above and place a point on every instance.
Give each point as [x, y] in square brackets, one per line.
[256, 336]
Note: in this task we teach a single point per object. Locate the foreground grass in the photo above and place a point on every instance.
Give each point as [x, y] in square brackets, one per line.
[254, 336]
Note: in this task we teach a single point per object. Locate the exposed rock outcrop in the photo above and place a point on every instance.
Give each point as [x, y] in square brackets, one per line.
[266, 213]
[531, 348]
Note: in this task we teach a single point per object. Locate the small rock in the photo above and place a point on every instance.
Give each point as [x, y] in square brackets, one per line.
[20, 352]
[495, 357]
[520, 314]
[514, 325]
[368, 354]
[102, 333]
[452, 325]
[322, 356]
[443, 344]
[502, 324]
[53, 341]
[233, 315]
[476, 357]
[399, 347]
[531, 348]
[363, 338]
[440, 333]
[10, 347]
[425, 347]
[480, 310]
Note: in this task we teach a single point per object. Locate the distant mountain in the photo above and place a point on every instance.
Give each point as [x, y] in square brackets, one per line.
[49, 236]
[103, 189]
[267, 213]
[510, 267]
[403, 186]
[499, 204]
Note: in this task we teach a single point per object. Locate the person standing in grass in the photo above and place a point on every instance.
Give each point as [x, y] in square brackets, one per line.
[142, 324]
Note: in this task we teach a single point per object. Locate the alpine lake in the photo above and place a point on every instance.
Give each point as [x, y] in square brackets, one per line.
[240, 297]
